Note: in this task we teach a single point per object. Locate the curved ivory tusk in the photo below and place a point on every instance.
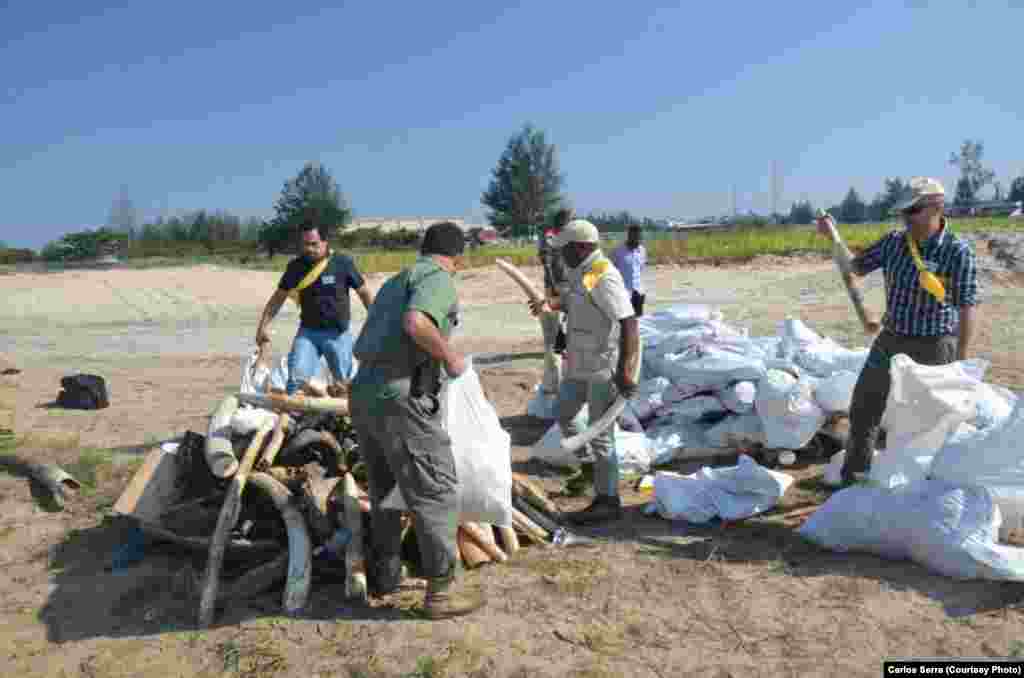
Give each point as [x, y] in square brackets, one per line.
[294, 403]
[220, 456]
[300, 549]
[520, 279]
[311, 436]
[355, 560]
[597, 428]
[55, 479]
[225, 521]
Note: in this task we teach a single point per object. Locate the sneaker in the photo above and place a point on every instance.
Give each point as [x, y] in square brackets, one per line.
[602, 510]
[448, 597]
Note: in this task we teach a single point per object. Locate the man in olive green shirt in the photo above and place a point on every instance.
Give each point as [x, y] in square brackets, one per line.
[396, 411]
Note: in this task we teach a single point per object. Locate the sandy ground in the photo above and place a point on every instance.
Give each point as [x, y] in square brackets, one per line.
[654, 599]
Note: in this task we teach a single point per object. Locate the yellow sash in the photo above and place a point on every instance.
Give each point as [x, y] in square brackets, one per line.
[310, 278]
[596, 272]
[928, 280]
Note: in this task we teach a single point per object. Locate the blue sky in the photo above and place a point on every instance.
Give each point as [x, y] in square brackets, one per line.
[657, 108]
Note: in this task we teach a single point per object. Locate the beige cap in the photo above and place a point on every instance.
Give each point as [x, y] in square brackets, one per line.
[577, 230]
[921, 188]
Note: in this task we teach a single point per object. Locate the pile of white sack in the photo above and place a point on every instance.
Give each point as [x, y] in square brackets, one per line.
[708, 384]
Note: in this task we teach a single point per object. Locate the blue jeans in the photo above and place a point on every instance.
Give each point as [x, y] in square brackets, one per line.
[309, 345]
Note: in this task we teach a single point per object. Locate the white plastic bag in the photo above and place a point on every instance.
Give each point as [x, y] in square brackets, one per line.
[833, 474]
[671, 439]
[994, 458]
[482, 451]
[928, 402]
[947, 528]
[794, 335]
[248, 419]
[737, 430]
[826, 357]
[632, 447]
[711, 366]
[255, 375]
[738, 397]
[692, 408]
[730, 493]
[648, 399]
[788, 412]
[834, 393]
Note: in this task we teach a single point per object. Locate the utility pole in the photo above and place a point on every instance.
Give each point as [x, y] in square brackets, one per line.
[776, 188]
[733, 191]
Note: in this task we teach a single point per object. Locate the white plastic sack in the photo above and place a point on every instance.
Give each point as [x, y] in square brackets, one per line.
[923, 395]
[248, 419]
[482, 451]
[833, 476]
[995, 405]
[826, 357]
[255, 375]
[738, 397]
[692, 408]
[671, 440]
[947, 528]
[656, 326]
[729, 493]
[648, 399]
[994, 458]
[737, 430]
[788, 412]
[710, 366]
[833, 394]
[632, 447]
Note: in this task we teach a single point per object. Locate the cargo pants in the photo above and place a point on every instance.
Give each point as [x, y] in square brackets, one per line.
[402, 442]
[872, 390]
[599, 394]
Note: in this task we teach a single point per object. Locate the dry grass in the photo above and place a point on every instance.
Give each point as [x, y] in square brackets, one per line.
[252, 657]
[467, 656]
[566, 575]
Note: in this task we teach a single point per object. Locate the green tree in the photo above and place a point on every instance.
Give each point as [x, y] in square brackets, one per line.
[313, 195]
[974, 176]
[525, 187]
[852, 210]
[801, 213]
[84, 244]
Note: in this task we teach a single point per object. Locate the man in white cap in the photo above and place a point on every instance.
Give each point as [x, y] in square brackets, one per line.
[931, 296]
[602, 354]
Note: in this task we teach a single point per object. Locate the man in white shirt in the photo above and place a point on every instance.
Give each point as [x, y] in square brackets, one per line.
[602, 355]
[631, 260]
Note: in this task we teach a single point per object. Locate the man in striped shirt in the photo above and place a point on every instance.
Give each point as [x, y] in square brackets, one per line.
[931, 323]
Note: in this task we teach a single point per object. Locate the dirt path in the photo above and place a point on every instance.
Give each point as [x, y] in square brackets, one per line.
[655, 599]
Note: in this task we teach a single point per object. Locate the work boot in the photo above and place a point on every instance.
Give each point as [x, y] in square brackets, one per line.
[603, 509]
[384, 575]
[447, 597]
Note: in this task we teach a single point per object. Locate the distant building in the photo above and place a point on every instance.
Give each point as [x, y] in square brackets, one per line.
[985, 208]
[404, 223]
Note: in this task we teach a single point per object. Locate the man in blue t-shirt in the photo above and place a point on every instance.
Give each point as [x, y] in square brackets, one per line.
[325, 310]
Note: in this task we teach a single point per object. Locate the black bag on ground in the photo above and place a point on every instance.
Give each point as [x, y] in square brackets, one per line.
[83, 392]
